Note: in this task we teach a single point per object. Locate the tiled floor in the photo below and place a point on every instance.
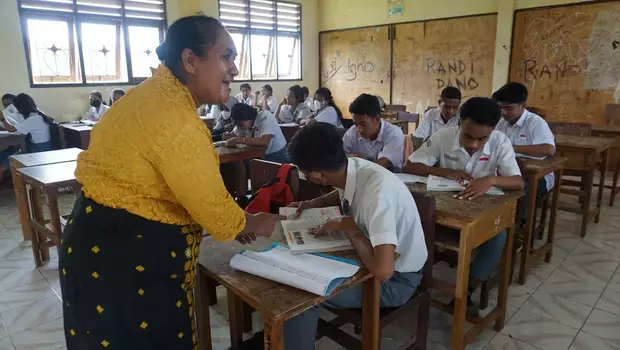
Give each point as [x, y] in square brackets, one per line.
[571, 303]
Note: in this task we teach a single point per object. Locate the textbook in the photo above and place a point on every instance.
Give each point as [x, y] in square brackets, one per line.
[315, 273]
[297, 231]
[436, 183]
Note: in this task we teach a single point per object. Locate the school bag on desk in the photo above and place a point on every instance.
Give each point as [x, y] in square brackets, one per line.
[272, 195]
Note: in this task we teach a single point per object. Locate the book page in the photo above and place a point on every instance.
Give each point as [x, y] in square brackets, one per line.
[436, 183]
[298, 231]
[410, 178]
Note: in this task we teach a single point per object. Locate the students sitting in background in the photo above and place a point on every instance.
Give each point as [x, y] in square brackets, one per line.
[325, 110]
[292, 108]
[267, 102]
[372, 138]
[245, 96]
[444, 116]
[10, 112]
[474, 152]
[257, 129]
[308, 100]
[381, 220]
[116, 95]
[97, 109]
[221, 113]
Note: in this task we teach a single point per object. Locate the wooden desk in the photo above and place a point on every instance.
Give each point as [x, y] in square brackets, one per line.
[233, 170]
[276, 302]
[582, 153]
[478, 221]
[12, 139]
[614, 133]
[234, 154]
[77, 135]
[533, 170]
[289, 131]
[46, 179]
[402, 124]
[29, 160]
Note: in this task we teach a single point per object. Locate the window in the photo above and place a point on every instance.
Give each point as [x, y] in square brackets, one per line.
[88, 42]
[267, 35]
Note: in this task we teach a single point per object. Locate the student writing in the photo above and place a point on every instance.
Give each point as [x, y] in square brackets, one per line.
[444, 116]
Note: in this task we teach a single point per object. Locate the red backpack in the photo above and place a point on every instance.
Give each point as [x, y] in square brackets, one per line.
[272, 195]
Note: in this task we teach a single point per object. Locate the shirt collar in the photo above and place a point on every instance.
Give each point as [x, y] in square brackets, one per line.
[382, 127]
[522, 118]
[349, 187]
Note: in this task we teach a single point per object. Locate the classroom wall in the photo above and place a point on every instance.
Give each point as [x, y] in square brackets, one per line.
[71, 102]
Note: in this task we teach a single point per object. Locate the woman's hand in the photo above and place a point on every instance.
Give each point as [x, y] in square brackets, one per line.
[476, 188]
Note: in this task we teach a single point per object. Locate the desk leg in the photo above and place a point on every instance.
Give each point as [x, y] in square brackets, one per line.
[203, 317]
[274, 334]
[529, 228]
[585, 204]
[504, 278]
[460, 293]
[22, 202]
[554, 211]
[614, 185]
[371, 298]
[601, 188]
[235, 316]
[52, 204]
[40, 255]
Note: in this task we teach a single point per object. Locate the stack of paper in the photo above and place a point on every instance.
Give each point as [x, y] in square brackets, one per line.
[436, 183]
[314, 273]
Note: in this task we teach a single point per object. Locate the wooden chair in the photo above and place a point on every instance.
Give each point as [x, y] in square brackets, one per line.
[411, 118]
[575, 129]
[612, 113]
[396, 108]
[421, 298]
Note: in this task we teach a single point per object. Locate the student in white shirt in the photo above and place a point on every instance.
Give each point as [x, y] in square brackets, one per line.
[325, 110]
[381, 220]
[257, 129]
[474, 152]
[292, 108]
[308, 100]
[221, 113]
[97, 109]
[117, 94]
[245, 96]
[35, 125]
[267, 102]
[10, 112]
[444, 116]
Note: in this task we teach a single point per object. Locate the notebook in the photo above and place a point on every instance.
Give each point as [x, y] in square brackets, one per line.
[315, 273]
[436, 183]
[410, 179]
[297, 231]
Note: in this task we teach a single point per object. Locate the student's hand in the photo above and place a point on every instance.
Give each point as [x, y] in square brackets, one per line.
[265, 223]
[301, 206]
[355, 155]
[458, 175]
[232, 142]
[226, 136]
[283, 102]
[247, 238]
[476, 188]
[341, 223]
[257, 93]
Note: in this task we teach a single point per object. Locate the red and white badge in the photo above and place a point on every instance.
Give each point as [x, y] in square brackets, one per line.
[483, 159]
[523, 137]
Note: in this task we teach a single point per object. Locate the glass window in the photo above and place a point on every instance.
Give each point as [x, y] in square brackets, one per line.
[142, 42]
[101, 51]
[263, 57]
[289, 62]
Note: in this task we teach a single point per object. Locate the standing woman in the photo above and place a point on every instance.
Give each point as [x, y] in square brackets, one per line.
[325, 109]
[150, 186]
[292, 108]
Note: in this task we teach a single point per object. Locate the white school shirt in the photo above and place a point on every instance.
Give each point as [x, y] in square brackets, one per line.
[272, 102]
[389, 144]
[328, 115]
[433, 122]
[265, 124]
[288, 115]
[496, 158]
[385, 212]
[249, 101]
[530, 129]
[12, 115]
[93, 115]
[35, 126]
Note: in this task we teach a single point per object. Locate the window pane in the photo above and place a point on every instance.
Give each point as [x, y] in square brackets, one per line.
[52, 56]
[263, 57]
[289, 60]
[102, 52]
[142, 43]
[242, 61]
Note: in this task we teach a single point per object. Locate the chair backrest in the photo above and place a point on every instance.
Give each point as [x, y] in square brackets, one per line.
[429, 108]
[347, 123]
[612, 113]
[574, 129]
[57, 136]
[412, 118]
[396, 108]
[263, 172]
[426, 209]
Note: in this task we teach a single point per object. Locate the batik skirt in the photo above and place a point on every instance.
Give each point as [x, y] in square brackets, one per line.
[127, 282]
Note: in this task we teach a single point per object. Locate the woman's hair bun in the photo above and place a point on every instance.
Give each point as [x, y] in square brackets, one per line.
[162, 51]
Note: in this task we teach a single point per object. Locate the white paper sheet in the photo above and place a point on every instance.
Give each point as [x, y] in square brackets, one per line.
[436, 183]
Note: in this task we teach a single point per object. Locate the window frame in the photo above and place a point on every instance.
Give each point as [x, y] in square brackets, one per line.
[75, 20]
[274, 33]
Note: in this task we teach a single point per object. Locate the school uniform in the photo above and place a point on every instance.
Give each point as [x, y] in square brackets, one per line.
[266, 124]
[248, 101]
[328, 115]
[290, 115]
[386, 213]
[496, 158]
[38, 140]
[433, 122]
[222, 117]
[94, 114]
[389, 144]
[272, 103]
[310, 103]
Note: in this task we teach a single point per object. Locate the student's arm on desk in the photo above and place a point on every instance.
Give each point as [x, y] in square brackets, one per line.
[331, 199]
[542, 150]
[262, 141]
[422, 163]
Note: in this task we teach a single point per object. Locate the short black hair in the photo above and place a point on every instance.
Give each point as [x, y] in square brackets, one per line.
[482, 110]
[511, 93]
[8, 97]
[118, 92]
[268, 88]
[241, 112]
[317, 147]
[365, 104]
[298, 92]
[245, 86]
[451, 93]
[305, 91]
[96, 93]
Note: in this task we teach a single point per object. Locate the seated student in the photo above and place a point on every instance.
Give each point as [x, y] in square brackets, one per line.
[245, 96]
[381, 221]
[257, 129]
[478, 153]
[35, 125]
[307, 98]
[444, 116]
[10, 112]
[292, 108]
[116, 95]
[529, 133]
[371, 137]
[268, 102]
[97, 109]
[325, 110]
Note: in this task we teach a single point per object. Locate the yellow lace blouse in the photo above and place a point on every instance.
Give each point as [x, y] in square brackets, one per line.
[153, 156]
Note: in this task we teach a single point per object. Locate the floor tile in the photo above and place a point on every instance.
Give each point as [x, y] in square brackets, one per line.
[539, 331]
[603, 324]
[6, 344]
[35, 314]
[48, 336]
[504, 342]
[609, 301]
[584, 273]
[586, 254]
[586, 341]
[11, 278]
[25, 295]
[220, 333]
[559, 285]
[561, 310]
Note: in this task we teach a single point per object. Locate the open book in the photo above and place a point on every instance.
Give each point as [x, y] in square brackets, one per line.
[436, 183]
[315, 273]
[297, 231]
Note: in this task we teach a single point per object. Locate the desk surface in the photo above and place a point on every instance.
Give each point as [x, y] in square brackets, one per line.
[51, 174]
[584, 142]
[270, 298]
[234, 154]
[50, 157]
[615, 129]
[77, 127]
[540, 165]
